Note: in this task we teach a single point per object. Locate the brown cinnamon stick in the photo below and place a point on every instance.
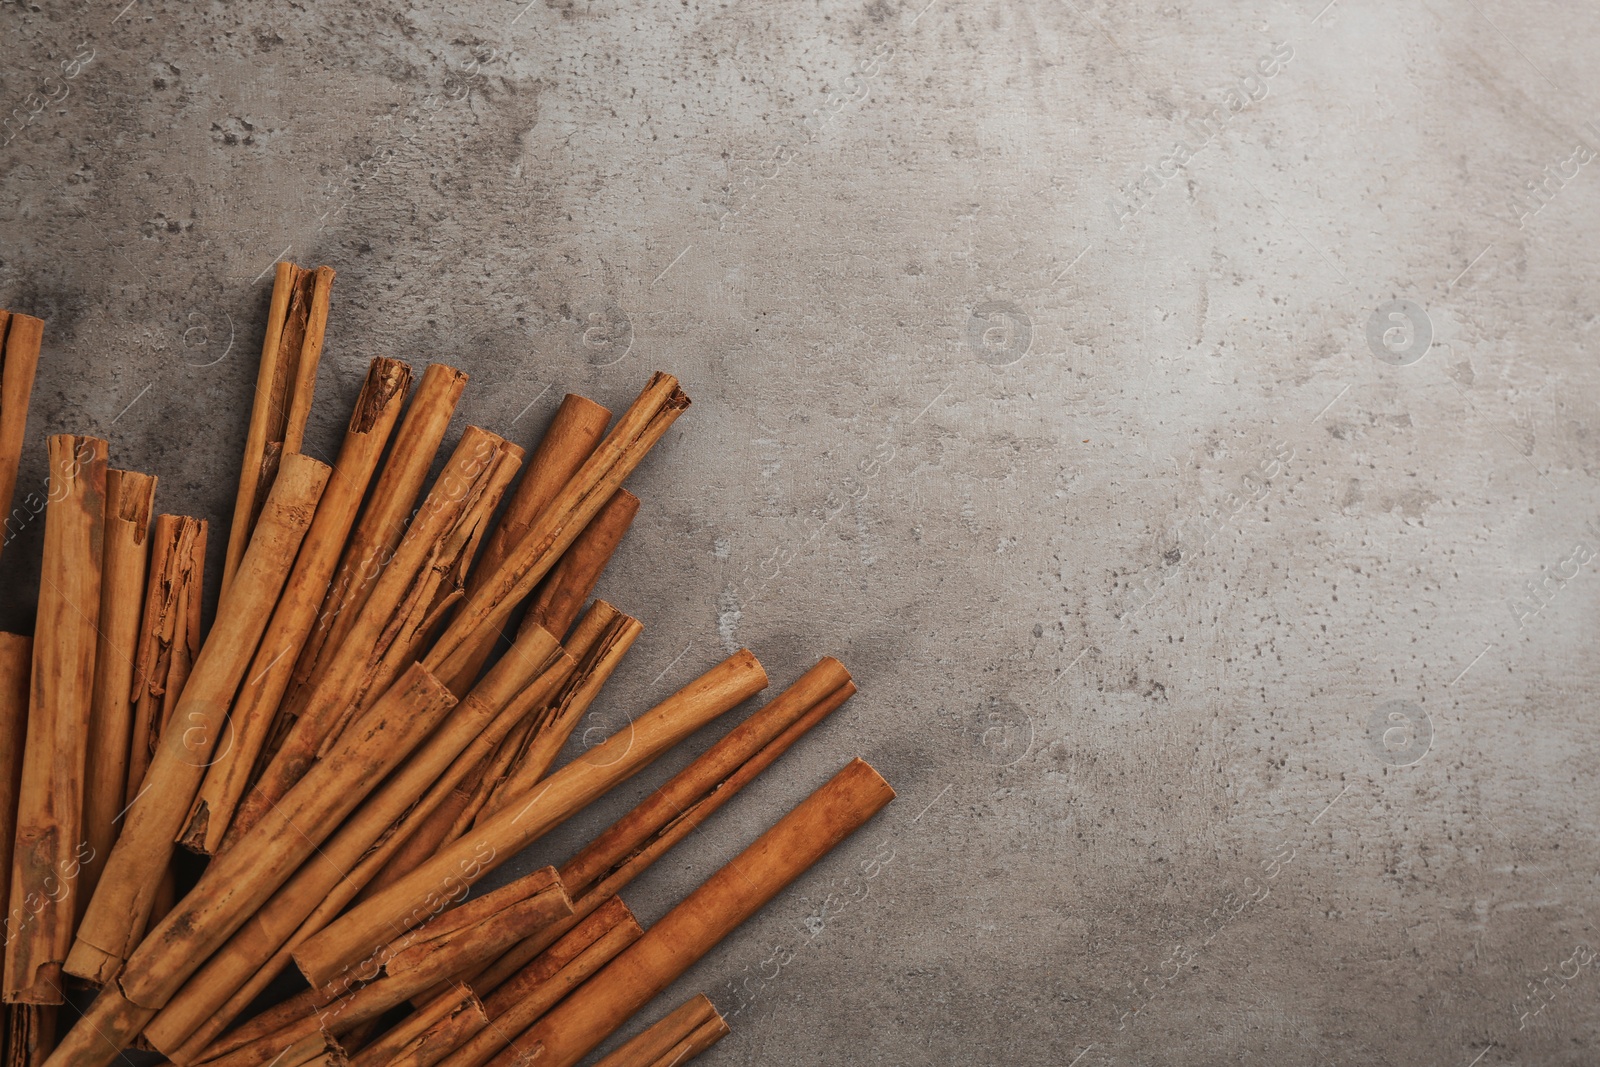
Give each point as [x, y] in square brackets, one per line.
[129, 500]
[445, 1022]
[376, 410]
[571, 438]
[487, 609]
[20, 337]
[561, 595]
[575, 1026]
[677, 1037]
[372, 545]
[330, 879]
[49, 848]
[285, 383]
[122, 903]
[413, 592]
[169, 636]
[16, 663]
[370, 924]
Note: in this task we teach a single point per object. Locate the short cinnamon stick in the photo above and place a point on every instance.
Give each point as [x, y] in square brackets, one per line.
[129, 500]
[49, 847]
[285, 384]
[20, 337]
[575, 1026]
[122, 903]
[376, 410]
[677, 1037]
[169, 636]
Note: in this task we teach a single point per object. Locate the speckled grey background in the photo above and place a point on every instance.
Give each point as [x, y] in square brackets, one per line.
[1237, 682]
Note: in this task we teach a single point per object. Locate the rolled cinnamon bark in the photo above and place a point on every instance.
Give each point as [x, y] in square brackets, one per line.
[519, 1002]
[30, 1033]
[49, 847]
[122, 903]
[285, 384]
[383, 523]
[20, 337]
[16, 663]
[129, 500]
[561, 595]
[254, 709]
[677, 1037]
[370, 924]
[580, 1022]
[571, 438]
[331, 878]
[558, 525]
[398, 614]
[169, 636]
[447, 1020]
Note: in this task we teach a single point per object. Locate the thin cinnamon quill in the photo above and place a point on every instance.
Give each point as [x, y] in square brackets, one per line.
[558, 525]
[675, 1038]
[129, 500]
[419, 584]
[49, 848]
[330, 879]
[285, 384]
[376, 410]
[122, 903]
[169, 636]
[366, 927]
[571, 1029]
[20, 337]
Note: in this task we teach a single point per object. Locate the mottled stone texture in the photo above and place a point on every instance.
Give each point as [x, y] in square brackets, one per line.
[1231, 646]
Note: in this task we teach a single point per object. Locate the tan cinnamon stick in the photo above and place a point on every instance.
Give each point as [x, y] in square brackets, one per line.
[488, 608]
[372, 545]
[16, 664]
[575, 1026]
[407, 600]
[129, 500]
[330, 879]
[370, 924]
[49, 847]
[677, 1037]
[169, 636]
[561, 595]
[122, 903]
[571, 438]
[376, 410]
[20, 337]
[284, 386]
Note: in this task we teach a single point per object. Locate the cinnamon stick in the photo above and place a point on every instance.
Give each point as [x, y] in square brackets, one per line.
[122, 903]
[488, 608]
[595, 1009]
[415, 589]
[169, 636]
[677, 1037]
[376, 410]
[445, 1022]
[367, 926]
[330, 879]
[16, 663]
[571, 438]
[129, 499]
[285, 383]
[562, 593]
[30, 1033]
[20, 337]
[49, 848]
[372, 545]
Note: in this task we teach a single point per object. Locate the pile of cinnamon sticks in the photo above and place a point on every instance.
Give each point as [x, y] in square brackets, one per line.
[353, 746]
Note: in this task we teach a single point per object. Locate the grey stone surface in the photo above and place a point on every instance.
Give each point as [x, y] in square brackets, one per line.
[1191, 606]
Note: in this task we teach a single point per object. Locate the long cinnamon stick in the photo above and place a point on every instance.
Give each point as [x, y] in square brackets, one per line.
[571, 438]
[376, 410]
[285, 383]
[368, 925]
[169, 636]
[675, 1038]
[49, 837]
[488, 608]
[260, 949]
[561, 595]
[398, 615]
[376, 536]
[575, 1026]
[129, 500]
[20, 337]
[122, 903]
